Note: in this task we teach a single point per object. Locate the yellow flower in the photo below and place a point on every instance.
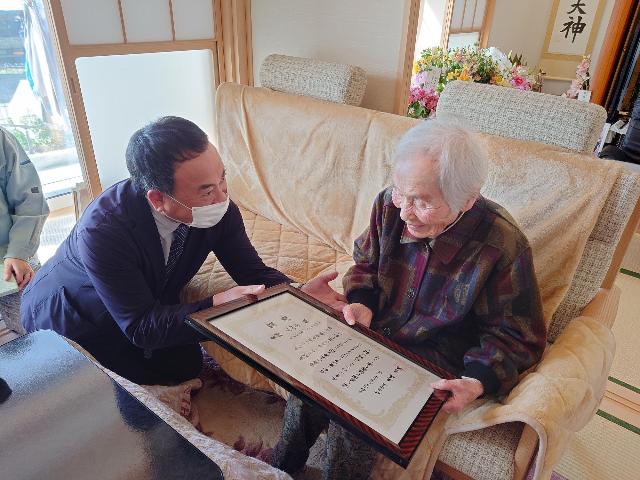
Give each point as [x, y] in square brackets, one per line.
[498, 79]
[464, 75]
[450, 76]
[416, 67]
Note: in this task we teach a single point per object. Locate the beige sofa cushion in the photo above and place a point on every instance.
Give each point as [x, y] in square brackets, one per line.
[295, 254]
[514, 113]
[335, 82]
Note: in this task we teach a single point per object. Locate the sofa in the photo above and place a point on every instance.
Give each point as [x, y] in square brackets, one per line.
[304, 173]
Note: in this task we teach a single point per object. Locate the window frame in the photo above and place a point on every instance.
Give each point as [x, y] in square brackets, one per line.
[230, 48]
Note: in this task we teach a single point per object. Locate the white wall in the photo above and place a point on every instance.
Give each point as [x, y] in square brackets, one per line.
[521, 26]
[366, 33]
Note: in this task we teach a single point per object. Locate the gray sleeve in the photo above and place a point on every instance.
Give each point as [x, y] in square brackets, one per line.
[25, 200]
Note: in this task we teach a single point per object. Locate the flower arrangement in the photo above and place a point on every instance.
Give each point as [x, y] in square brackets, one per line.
[470, 64]
[581, 82]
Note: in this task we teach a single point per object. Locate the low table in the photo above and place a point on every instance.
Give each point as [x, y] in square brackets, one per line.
[66, 419]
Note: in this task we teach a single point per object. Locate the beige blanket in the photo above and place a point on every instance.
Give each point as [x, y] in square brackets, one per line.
[556, 197]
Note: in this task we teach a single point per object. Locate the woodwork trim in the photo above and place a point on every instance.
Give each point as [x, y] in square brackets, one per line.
[172, 20]
[486, 23]
[610, 50]
[122, 25]
[403, 81]
[446, 23]
[249, 46]
[78, 51]
[236, 28]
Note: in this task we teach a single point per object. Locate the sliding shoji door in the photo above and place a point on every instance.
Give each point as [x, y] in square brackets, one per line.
[126, 62]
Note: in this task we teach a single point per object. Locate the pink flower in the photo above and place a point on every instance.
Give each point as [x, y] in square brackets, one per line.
[583, 67]
[573, 89]
[521, 83]
[427, 98]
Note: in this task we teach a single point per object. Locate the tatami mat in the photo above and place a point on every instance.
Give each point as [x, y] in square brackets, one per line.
[627, 332]
[602, 450]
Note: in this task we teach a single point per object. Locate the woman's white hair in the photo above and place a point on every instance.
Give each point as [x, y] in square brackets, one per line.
[461, 159]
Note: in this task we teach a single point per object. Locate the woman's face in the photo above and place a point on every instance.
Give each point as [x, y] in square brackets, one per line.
[417, 194]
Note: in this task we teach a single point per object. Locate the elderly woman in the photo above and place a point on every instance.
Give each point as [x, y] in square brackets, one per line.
[442, 271]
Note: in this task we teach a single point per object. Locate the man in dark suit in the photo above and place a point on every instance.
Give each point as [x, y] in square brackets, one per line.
[113, 285]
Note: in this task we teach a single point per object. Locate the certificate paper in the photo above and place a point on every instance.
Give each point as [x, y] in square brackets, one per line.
[356, 374]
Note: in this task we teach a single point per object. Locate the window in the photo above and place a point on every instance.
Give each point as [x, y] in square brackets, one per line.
[469, 23]
[32, 105]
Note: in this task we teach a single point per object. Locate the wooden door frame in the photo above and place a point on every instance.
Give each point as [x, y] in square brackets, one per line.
[407, 47]
[610, 50]
[230, 47]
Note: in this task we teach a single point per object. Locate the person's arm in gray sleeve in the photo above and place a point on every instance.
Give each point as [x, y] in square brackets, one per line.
[25, 200]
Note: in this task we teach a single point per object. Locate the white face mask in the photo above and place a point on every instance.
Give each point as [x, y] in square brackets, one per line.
[207, 216]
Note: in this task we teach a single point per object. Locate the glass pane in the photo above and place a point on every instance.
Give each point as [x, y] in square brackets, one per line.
[32, 104]
[92, 21]
[142, 88]
[193, 19]
[147, 20]
[463, 39]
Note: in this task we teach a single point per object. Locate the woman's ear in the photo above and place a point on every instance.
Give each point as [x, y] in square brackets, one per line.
[156, 199]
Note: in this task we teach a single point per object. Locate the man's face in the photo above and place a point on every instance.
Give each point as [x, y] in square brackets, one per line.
[197, 182]
[418, 196]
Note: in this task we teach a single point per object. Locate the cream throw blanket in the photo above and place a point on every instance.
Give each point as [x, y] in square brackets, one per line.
[317, 166]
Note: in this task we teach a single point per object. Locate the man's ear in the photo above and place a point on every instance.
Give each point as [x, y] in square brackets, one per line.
[470, 202]
[156, 199]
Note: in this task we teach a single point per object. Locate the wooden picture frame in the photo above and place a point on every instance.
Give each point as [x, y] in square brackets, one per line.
[224, 325]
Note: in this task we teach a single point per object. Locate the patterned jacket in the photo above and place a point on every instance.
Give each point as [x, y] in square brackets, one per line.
[468, 299]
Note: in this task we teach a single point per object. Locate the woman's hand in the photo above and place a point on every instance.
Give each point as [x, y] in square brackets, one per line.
[320, 289]
[357, 313]
[463, 392]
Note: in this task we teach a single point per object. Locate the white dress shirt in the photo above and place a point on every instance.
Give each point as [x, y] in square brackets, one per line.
[166, 228]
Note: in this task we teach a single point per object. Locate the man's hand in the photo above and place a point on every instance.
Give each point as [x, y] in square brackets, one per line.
[18, 268]
[236, 292]
[357, 313]
[463, 392]
[319, 289]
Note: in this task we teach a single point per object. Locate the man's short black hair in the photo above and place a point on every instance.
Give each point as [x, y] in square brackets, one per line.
[154, 150]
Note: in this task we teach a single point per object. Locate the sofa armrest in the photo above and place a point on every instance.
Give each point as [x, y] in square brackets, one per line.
[559, 397]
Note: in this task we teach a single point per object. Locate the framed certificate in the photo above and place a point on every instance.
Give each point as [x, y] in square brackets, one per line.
[370, 385]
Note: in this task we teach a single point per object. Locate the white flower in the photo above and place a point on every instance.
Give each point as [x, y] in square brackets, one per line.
[500, 58]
